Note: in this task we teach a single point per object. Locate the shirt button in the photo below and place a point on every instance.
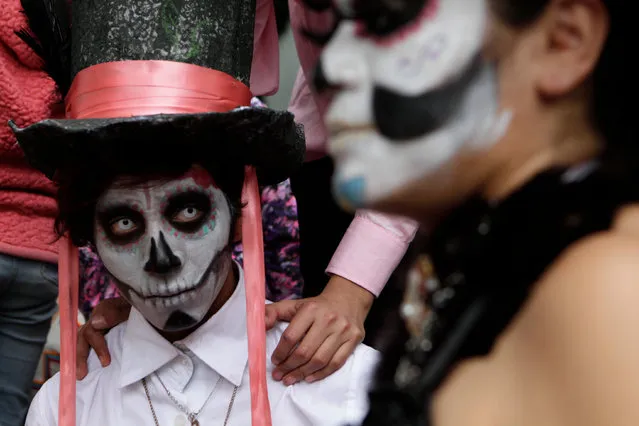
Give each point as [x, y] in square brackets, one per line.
[181, 420]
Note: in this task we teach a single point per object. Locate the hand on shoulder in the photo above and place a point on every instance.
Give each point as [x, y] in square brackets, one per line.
[323, 331]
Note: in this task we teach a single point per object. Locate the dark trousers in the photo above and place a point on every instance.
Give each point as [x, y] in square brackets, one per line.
[322, 222]
[28, 293]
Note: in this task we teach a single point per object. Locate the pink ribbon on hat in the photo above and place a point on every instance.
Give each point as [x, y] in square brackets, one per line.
[135, 88]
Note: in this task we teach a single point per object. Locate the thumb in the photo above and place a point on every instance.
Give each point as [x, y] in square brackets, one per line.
[110, 313]
[281, 311]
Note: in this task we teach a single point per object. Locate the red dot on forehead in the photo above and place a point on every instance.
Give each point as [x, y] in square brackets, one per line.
[201, 177]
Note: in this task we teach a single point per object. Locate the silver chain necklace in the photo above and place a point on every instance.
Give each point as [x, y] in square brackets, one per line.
[192, 416]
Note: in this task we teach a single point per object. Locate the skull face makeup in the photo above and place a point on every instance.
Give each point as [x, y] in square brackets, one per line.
[166, 244]
[411, 94]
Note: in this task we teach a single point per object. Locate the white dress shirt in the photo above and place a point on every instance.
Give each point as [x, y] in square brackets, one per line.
[190, 369]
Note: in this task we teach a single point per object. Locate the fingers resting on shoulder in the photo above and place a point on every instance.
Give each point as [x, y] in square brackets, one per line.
[105, 316]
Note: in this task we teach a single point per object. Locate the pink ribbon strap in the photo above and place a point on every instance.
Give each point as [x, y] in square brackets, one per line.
[254, 276]
[68, 289]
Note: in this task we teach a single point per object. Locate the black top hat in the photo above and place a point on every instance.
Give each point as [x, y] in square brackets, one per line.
[132, 61]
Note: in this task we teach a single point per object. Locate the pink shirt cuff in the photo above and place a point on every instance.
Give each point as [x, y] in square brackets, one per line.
[371, 249]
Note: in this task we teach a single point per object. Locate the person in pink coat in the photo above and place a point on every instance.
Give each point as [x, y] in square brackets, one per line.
[28, 252]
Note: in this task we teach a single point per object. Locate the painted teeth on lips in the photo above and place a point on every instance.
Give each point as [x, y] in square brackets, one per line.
[167, 302]
[168, 291]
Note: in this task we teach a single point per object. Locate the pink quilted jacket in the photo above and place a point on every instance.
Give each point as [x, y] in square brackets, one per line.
[27, 95]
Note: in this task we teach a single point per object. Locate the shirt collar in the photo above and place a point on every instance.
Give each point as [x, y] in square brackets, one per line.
[221, 342]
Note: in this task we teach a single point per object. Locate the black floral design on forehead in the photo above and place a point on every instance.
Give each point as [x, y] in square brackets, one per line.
[379, 17]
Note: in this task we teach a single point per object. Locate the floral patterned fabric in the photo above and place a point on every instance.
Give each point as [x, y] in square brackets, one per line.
[281, 243]
[281, 252]
[95, 283]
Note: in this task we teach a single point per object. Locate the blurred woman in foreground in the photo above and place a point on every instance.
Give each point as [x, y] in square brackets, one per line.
[501, 126]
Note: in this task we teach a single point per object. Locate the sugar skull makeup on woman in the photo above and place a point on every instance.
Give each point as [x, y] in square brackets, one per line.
[416, 93]
[496, 124]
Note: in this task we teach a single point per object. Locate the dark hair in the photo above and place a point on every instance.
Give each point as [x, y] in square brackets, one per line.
[612, 79]
[80, 187]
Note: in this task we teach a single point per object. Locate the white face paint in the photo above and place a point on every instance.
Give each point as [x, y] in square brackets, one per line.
[410, 101]
[166, 244]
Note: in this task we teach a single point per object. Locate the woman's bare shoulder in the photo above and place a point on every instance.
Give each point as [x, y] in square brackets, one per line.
[570, 356]
[586, 307]
[627, 220]
[602, 258]
[596, 277]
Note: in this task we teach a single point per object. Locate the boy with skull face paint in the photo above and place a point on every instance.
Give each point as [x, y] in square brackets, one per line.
[167, 246]
[158, 149]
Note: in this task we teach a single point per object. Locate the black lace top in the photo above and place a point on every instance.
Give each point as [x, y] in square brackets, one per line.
[487, 259]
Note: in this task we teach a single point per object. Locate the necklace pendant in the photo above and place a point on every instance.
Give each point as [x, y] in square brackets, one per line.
[194, 422]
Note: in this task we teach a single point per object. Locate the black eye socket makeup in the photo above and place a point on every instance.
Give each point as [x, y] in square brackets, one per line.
[122, 224]
[188, 211]
[401, 118]
[380, 18]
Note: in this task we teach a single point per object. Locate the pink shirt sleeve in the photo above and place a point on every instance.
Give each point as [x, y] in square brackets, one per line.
[307, 107]
[374, 244]
[265, 69]
[371, 249]
[303, 105]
